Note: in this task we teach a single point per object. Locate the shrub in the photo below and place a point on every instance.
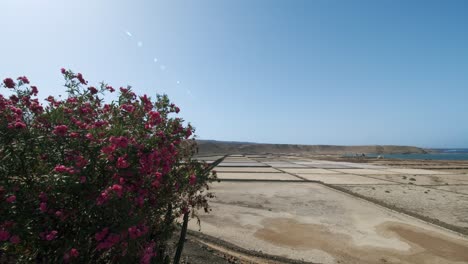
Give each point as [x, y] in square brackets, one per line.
[82, 180]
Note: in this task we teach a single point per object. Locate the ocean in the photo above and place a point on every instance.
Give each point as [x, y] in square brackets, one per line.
[440, 154]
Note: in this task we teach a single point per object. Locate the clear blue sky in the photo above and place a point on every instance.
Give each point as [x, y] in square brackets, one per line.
[302, 72]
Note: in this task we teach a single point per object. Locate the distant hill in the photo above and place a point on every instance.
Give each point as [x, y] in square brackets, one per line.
[231, 147]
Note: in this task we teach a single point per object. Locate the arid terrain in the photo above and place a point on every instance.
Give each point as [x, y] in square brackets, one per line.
[209, 147]
[273, 208]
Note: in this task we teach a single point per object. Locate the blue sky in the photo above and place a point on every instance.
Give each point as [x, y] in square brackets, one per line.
[300, 72]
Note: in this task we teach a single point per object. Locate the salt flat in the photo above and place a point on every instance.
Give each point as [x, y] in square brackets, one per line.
[366, 171]
[312, 222]
[309, 170]
[342, 179]
[255, 176]
[246, 169]
[301, 218]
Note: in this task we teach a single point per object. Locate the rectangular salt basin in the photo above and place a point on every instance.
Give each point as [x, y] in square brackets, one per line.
[330, 166]
[284, 165]
[256, 176]
[425, 179]
[242, 164]
[342, 179]
[246, 169]
[417, 171]
[310, 170]
[365, 171]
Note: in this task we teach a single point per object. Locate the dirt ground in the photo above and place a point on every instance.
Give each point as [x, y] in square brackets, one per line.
[340, 210]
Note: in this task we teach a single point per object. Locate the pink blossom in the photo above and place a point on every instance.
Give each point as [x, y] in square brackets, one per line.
[63, 71]
[121, 141]
[156, 184]
[110, 88]
[11, 199]
[9, 83]
[148, 253]
[16, 110]
[81, 162]
[61, 169]
[101, 235]
[23, 79]
[74, 252]
[80, 78]
[52, 235]
[129, 108]
[92, 90]
[188, 133]
[192, 179]
[60, 130]
[117, 189]
[43, 207]
[103, 198]
[34, 90]
[89, 136]
[15, 239]
[82, 179]
[122, 163]
[4, 235]
[19, 125]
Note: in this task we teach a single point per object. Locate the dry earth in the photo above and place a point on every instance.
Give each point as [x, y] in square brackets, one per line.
[334, 210]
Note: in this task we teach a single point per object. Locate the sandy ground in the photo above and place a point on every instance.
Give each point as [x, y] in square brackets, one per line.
[328, 209]
[443, 205]
[312, 222]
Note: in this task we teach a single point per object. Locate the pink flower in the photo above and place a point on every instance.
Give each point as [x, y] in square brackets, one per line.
[9, 83]
[89, 136]
[60, 130]
[61, 169]
[15, 239]
[4, 235]
[11, 199]
[34, 90]
[148, 253]
[16, 110]
[156, 184]
[192, 179]
[52, 235]
[81, 162]
[80, 78]
[43, 207]
[74, 252]
[122, 163]
[121, 142]
[110, 88]
[82, 179]
[92, 90]
[63, 71]
[129, 108]
[20, 125]
[101, 235]
[117, 189]
[23, 79]
[188, 133]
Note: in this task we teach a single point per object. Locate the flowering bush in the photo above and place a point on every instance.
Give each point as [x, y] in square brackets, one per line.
[82, 180]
